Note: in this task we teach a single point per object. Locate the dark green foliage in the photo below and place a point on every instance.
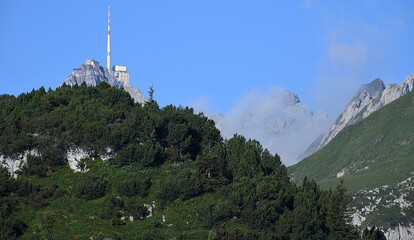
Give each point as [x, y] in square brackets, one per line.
[34, 166]
[11, 226]
[91, 186]
[235, 234]
[186, 184]
[309, 215]
[215, 215]
[134, 187]
[40, 197]
[144, 154]
[135, 209]
[202, 186]
[373, 234]
[112, 208]
[7, 184]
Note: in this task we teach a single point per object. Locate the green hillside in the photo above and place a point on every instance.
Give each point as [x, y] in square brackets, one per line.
[377, 155]
[170, 175]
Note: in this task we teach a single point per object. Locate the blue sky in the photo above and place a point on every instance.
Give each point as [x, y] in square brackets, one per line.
[211, 53]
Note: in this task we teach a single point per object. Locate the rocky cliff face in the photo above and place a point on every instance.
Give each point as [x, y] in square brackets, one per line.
[393, 201]
[369, 98]
[92, 73]
[278, 120]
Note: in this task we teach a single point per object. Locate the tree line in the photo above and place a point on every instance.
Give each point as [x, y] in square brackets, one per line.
[254, 184]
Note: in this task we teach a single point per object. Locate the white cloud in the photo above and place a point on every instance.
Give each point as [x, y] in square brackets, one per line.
[352, 55]
[277, 119]
[202, 104]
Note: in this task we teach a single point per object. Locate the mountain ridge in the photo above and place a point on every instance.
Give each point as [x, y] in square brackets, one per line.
[369, 98]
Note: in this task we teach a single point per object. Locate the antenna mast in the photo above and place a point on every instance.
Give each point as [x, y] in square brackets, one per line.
[108, 49]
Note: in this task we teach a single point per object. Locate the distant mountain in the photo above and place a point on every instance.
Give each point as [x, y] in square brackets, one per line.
[278, 120]
[92, 73]
[375, 157]
[368, 99]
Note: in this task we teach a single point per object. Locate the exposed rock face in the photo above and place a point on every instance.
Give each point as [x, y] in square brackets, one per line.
[14, 164]
[75, 155]
[400, 233]
[369, 204]
[369, 98]
[92, 73]
[278, 120]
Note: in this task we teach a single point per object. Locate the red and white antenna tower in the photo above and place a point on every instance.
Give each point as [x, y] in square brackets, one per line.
[108, 57]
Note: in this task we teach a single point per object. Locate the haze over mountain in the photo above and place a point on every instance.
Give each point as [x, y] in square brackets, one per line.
[277, 118]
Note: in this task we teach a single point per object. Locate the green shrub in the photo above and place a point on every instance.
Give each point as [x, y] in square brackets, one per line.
[134, 187]
[91, 186]
[186, 184]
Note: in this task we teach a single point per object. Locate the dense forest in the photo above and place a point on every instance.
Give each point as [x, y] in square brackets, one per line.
[171, 175]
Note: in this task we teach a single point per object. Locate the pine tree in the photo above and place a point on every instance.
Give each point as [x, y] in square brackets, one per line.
[339, 215]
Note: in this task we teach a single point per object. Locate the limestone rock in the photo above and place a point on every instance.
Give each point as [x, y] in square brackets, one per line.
[92, 73]
[369, 98]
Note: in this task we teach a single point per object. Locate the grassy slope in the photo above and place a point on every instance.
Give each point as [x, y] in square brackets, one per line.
[79, 218]
[379, 150]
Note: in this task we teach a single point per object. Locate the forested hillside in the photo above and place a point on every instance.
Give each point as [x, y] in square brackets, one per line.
[169, 175]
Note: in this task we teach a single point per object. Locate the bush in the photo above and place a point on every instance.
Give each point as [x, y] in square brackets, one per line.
[213, 215]
[112, 208]
[7, 184]
[186, 184]
[34, 167]
[91, 187]
[136, 209]
[134, 187]
[11, 227]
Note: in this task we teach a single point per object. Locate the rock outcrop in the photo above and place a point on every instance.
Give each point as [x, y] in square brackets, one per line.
[92, 73]
[15, 163]
[369, 98]
[377, 202]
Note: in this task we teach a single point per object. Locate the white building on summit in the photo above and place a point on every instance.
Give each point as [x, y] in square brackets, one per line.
[120, 73]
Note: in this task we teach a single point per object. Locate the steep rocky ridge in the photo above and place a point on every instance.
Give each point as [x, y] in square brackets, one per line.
[92, 73]
[369, 98]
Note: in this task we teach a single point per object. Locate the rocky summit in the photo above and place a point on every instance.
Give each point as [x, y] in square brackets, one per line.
[92, 73]
[369, 98]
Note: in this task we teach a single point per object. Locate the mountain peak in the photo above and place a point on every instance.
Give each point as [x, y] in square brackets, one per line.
[375, 87]
[289, 98]
[369, 98]
[92, 73]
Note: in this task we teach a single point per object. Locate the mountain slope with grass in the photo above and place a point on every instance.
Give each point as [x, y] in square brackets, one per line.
[375, 157]
[90, 163]
[368, 99]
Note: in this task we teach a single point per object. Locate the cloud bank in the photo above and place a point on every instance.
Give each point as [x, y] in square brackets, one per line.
[276, 118]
